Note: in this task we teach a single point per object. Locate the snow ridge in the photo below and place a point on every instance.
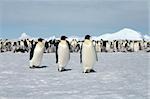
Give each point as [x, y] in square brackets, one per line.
[123, 34]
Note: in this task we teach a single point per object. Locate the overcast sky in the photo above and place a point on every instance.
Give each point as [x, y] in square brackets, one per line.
[45, 18]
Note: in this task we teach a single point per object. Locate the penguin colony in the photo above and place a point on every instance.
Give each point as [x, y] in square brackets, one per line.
[24, 46]
[88, 50]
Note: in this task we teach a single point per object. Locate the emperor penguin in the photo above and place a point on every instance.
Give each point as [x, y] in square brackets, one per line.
[136, 46]
[88, 55]
[62, 53]
[36, 53]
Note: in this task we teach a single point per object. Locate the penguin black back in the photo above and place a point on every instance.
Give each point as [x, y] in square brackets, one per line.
[81, 54]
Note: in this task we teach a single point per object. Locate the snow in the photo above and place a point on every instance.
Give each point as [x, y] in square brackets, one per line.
[123, 34]
[51, 38]
[118, 76]
[147, 37]
[70, 38]
[24, 36]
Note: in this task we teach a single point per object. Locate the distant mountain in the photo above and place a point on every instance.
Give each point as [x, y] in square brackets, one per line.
[24, 36]
[123, 34]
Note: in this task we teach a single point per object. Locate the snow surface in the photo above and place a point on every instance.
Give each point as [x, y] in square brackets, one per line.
[118, 76]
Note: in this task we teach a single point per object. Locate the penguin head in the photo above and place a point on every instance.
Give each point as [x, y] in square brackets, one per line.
[63, 37]
[40, 39]
[87, 37]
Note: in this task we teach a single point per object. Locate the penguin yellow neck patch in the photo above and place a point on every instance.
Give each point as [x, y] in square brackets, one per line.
[63, 42]
[88, 42]
[41, 44]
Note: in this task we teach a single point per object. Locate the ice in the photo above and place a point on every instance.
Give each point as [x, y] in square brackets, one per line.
[123, 34]
[117, 76]
[24, 36]
[147, 37]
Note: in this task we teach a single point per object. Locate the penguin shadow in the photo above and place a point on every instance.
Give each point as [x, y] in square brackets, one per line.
[65, 70]
[38, 67]
[42, 66]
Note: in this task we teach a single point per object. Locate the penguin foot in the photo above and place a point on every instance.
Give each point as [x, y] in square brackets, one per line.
[86, 71]
[61, 69]
[89, 70]
[92, 70]
[31, 67]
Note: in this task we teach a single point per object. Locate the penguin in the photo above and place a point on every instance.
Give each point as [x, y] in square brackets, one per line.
[136, 46]
[131, 46]
[88, 55]
[62, 53]
[98, 46]
[36, 53]
[73, 44]
[1, 44]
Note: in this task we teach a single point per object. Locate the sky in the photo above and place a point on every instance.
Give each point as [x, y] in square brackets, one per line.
[45, 18]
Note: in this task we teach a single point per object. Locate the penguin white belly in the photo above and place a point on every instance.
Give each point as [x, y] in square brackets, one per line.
[21, 45]
[108, 47]
[63, 55]
[88, 56]
[98, 48]
[145, 45]
[136, 47]
[0, 45]
[37, 56]
[132, 46]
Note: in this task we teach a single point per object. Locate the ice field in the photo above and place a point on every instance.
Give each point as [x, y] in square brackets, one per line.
[117, 76]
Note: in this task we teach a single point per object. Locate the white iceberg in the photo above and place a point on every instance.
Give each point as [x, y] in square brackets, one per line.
[124, 34]
[24, 36]
[146, 37]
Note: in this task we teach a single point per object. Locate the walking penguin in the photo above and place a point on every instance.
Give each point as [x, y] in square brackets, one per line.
[62, 53]
[36, 53]
[88, 55]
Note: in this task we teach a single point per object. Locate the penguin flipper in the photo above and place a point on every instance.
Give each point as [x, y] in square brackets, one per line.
[81, 54]
[56, 52]
[69, 48]
[69, 45]
[32, 51]
[56, 56]
[96, 54]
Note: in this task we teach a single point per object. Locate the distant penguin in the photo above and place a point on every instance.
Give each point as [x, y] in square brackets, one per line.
[62, 53]
[36, 53]
[88, 55]
[1, 46]
[136, 46]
